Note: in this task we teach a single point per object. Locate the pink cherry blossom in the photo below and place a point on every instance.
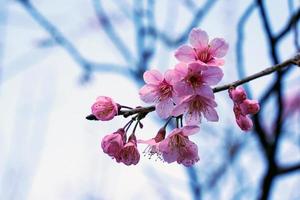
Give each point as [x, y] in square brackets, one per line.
[104, 108]
[153, 143]
[113, 143]
[129, 154]
[201, 50]
[194, 76]
[238, 95]
[159, 90]
[178, 147]
[196, 105]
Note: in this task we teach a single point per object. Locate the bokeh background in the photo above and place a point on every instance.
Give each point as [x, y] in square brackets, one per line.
[57, 56]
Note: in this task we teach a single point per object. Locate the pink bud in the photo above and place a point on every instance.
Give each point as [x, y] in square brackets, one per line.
[249, 107]
[113, 143]
[160, 135]
[238, 95]
[244, 122]
[104, 108]
[129, 154]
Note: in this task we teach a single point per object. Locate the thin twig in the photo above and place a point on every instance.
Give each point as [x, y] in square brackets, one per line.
[265, 72]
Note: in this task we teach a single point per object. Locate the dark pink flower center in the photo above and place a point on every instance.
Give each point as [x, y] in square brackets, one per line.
[177, 141]
[203, 55]
[196, 105]
[165, 90]
[194, 80]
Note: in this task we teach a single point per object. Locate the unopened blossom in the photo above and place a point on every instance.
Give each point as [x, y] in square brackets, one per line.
[238, 95]
[202, 50]
[104, 108]
[244, 122]
[113, 143]
[178, 147]
[159, 90]
[249, 106]
[194, 76]
[197, 105]
[243, 107]
[129, 154]
[153, 143]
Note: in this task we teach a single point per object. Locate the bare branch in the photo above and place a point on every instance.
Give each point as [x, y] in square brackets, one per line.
[198, 17]
[58, 37]
[289, 169]
[259, 74]
[291, 22]
[110, 31]
[240, 43]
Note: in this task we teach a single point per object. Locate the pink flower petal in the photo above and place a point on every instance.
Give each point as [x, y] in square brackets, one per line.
[182, 89]
[196, 67]
[148, 93]
[198, 38]
[211, 114]
[185, 53]
[149, 142]
[172, 77]
[190, 156]
[216, 62]
[169, 155]
[181, 69]
[205, 91]
[190, 130]
[212, 75]
[218, 47]
[164, 108]
[180, 109]
[153, 77]
[192, 118]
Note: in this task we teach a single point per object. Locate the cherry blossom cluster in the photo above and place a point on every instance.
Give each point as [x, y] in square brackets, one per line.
[183, 93]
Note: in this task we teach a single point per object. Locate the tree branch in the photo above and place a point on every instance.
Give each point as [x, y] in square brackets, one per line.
[265, 72]
[110, 31]
[240, 43]
[289, 169]
[60, 39]
[198, 16]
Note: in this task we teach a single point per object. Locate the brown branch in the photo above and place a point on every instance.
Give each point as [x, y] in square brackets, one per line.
[278, 67]
[145, 110]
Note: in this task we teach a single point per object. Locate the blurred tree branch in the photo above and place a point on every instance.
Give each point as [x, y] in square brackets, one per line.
[58, 36]
[240, 43]
[197, 18]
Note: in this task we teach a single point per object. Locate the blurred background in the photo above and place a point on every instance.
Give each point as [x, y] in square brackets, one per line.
[57, 56]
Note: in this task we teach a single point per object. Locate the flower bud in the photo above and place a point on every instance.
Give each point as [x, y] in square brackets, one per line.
[244, 122]
[113, 143]
[238, 95]
[249, 107]
[104, 108]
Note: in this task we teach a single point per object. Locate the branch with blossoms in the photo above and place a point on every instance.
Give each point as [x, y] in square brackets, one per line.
[184, 93]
